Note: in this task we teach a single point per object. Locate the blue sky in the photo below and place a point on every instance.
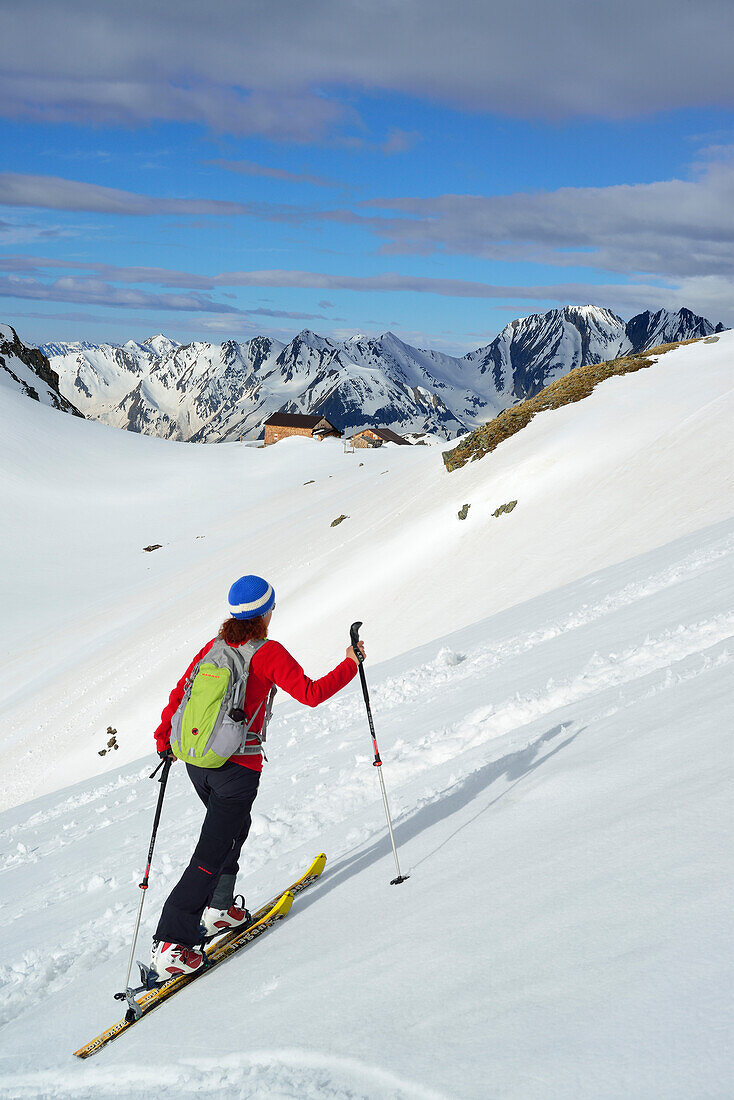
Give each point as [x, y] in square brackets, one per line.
[360, 166]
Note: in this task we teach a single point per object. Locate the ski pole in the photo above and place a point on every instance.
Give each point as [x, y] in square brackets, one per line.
[376, 763]
[165, 764]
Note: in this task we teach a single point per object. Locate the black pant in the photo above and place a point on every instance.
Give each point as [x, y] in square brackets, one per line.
[228, 793]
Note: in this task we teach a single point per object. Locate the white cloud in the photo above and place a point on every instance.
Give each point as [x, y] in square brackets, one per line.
[249, 168]
[87, 291]
[712, 296]
[670, 228]
[55, 193]
[289, 70]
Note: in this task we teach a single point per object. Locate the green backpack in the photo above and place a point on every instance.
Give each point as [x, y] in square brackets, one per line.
[209, 725]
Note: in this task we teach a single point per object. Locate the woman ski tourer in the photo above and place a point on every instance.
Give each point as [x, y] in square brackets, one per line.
[203, 903]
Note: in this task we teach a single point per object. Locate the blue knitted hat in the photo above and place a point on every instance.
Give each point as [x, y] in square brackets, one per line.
[249, 597]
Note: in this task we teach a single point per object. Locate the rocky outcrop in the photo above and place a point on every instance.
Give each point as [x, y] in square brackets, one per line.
[28, 370]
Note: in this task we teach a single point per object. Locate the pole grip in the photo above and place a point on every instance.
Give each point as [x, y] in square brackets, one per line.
[354, 636]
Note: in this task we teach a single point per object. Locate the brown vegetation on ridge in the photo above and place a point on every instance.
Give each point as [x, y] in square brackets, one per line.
[573, 386]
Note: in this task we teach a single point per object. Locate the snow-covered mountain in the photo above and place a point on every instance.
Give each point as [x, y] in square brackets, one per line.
[158, 344]
[531, 352]
[368, 380]
[28, 371]
[647, 330]
[204, 392]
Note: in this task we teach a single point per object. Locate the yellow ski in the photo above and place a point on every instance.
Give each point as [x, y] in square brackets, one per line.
[217, 951]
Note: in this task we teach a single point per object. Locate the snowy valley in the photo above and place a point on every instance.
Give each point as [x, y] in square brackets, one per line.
[552, 690]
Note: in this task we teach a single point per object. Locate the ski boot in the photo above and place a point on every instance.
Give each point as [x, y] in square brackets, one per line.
[169, 960]
[217, 921]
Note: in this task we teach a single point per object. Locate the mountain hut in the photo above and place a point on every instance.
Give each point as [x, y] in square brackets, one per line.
[375, 437]
[280, 425]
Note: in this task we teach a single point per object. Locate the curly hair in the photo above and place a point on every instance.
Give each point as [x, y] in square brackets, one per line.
[237, 631]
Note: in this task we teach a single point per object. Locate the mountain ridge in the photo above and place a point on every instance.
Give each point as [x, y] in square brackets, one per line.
[203, 392]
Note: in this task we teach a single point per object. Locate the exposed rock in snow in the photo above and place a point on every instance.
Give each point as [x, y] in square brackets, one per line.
[28, 370]
[646, 330]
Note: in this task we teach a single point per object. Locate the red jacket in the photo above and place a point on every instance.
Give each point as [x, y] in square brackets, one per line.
[271, 664]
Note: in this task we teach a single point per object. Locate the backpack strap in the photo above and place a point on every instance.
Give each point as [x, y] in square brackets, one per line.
[244, 655]
[243, 671]
[268, 713]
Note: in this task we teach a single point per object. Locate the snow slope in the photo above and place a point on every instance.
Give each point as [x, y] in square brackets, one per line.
[552, 692]
[560, 776]
[626, 470]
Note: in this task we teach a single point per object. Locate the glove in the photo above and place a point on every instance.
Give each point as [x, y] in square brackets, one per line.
[167, 754]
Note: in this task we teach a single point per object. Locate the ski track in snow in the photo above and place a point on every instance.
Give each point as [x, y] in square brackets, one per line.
[655, 663]
[393, 692]
[267, 1075]
[45, 970]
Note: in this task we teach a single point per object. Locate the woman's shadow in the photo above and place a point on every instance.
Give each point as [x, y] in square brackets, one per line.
[516, 766]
